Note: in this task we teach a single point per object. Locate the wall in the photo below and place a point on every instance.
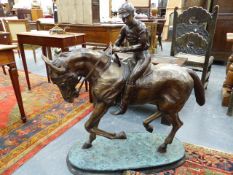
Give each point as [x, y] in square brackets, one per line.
[46, 5]
[104, 10]
[74, 11]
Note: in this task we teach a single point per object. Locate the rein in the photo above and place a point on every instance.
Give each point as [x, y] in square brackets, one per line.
[89, 73]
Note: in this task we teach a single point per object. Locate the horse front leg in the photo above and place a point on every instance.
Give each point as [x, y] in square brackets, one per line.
[176, 124]
[92, 126]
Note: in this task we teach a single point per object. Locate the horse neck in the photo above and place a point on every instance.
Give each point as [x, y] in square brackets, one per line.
[95, 66]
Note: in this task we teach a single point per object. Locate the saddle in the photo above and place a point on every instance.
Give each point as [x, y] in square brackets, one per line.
[128, 67]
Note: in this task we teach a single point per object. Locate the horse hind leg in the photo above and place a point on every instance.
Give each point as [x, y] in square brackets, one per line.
[176, 124]
[147, 121]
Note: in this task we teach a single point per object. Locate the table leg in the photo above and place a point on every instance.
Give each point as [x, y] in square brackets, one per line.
[49, 53]
[84, 45]
[4, 70]
[44, 51]
[25, 65]
[15, 82]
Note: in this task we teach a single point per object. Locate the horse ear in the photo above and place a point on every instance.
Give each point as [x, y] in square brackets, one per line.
[108, 49]
[49, 63]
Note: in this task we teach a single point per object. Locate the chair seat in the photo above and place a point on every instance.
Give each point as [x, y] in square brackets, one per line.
[194, 60]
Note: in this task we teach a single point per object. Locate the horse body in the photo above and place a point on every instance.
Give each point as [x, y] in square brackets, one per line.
[165, 85]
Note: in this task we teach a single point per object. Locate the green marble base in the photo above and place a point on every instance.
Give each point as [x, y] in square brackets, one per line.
[137, 152]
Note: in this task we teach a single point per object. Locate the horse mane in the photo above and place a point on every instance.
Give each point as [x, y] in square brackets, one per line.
[81, 54]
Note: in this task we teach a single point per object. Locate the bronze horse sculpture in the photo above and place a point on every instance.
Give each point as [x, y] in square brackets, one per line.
[165, 85]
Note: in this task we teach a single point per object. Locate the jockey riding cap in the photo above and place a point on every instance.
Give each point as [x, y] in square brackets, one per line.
[125, 10]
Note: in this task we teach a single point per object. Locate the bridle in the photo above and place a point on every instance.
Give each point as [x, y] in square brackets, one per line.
[93, 68]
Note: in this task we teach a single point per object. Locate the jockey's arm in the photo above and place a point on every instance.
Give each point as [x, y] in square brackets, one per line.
[141, 46]
[120, 38]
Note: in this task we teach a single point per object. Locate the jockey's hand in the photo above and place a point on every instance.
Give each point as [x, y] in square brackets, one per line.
[116, 49]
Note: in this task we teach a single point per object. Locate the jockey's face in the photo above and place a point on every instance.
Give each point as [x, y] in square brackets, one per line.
[128, 20]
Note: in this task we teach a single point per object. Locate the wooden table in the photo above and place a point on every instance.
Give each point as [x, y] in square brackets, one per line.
[47, 40]
[7, 58]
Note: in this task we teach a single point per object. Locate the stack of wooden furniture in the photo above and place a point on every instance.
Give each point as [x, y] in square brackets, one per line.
[227, 93]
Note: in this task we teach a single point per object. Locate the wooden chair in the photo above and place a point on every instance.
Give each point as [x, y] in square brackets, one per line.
[17, 26]
[192, 38]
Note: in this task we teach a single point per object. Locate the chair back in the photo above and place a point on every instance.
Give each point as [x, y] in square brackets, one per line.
[193, 31]
[16, 26]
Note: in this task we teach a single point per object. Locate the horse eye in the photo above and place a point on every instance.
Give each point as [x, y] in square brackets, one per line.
[62, 85]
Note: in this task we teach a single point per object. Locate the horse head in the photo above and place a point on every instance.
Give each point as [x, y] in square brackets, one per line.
[63, 77]
[66, 69]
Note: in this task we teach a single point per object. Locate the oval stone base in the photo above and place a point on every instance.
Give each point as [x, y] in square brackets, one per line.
[137, 152]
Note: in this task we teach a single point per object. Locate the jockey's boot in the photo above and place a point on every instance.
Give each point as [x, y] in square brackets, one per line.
[124, 101]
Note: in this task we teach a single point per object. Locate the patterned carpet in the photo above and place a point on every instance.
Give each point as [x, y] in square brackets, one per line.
[48, 117]
[199, 161]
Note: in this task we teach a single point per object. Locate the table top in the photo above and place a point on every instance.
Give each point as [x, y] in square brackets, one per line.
[7, 47]
[2, 32]
[42, 33]
[230, 37]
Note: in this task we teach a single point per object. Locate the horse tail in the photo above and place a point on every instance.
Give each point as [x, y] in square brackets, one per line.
[198, 88]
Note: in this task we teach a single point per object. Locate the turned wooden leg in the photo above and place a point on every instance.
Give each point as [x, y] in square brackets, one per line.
[228, 83]
[15, 82]
[229, 62]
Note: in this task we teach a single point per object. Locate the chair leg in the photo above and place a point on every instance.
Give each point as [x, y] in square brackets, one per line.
[160, 41]
[19, 53]
[4, 70]
[205, 76]
[34, 55]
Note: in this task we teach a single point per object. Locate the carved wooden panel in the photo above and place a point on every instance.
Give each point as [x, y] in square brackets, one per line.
[196, 20]
[185, 28]
[191, 43]
[190, 16]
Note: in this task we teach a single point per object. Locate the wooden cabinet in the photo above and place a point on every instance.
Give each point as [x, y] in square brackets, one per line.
[100, 34]
[222, 49]
[36, 14]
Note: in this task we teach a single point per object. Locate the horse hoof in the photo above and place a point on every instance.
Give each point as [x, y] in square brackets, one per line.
[86, 145]
[119, 111]
[162, 149]
[149, 128]
[121, 135]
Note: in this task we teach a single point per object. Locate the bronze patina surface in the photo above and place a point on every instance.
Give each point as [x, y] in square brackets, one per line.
[165, 85]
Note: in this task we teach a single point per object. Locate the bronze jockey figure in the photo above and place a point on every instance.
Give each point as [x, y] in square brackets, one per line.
[135, 32]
